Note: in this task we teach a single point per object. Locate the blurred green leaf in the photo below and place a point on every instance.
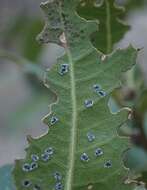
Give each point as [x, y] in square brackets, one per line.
[134, 4]
[26, 66]
[26, 114]
[108, 16]
[6, 182]
[31, 48]
[21, 33]
[136, 159]
[29, 114]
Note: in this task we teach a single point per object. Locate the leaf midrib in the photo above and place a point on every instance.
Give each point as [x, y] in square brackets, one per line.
[73, 141]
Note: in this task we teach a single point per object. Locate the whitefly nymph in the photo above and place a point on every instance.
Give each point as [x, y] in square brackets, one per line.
[57, 176]
[26, 183]
[84, 157]
[58, 186]
[36, 187]
[64, 68]
[102, 93]
[108, 164]
[34, 157]
[98, 152]
[45, 157]
[49, 151]
[90, 136]
[96, 88]
[26, 167]
[54, 120]
[88, 103]
[34, 166]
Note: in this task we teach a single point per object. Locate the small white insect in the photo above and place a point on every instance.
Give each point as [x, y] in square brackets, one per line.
[103, 57]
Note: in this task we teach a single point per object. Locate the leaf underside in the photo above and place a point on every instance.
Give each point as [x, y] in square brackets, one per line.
[109, 17]
[68, 135]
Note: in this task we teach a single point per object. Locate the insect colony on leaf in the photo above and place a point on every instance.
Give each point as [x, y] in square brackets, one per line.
[48, 152]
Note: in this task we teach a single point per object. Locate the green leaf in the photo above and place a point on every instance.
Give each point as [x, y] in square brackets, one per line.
[6, 182]
[108, 16]
[70, 120]
[31, 49]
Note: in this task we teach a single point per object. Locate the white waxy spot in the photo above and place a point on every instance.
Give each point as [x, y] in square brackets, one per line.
[90, 187]
[103, 57]
[63, 38]
[36, 187]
